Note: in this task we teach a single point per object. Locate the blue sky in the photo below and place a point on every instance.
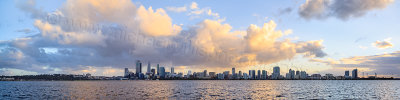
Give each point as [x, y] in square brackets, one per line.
[342, 38]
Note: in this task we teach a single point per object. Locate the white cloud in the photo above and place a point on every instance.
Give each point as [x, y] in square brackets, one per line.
[177, 9]
[383, 44]
[194, 6]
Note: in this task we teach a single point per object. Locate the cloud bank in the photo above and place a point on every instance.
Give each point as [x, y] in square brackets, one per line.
[383, 64]
[342, 9]
[113, 34]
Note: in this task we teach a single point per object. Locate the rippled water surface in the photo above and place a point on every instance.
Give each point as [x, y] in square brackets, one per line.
[202, 89]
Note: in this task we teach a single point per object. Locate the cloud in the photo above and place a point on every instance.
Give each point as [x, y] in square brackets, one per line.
[177, 9]
[195, 10]
[194, 6]
[383, 64]
[285, 11]
[342, 9]
[82, 36]
[383, 44]
[159, 19]
[26, 31]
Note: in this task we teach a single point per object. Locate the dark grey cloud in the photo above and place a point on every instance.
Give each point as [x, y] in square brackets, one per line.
[342, 9]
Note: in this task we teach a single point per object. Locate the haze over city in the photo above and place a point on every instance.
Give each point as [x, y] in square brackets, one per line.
[102, 37]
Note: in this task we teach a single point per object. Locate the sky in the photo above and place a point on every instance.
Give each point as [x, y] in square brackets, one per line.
[102, 37]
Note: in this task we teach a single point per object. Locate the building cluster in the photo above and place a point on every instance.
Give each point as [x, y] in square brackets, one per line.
[161, 73]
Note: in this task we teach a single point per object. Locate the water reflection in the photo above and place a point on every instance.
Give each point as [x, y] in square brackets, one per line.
[203, 89]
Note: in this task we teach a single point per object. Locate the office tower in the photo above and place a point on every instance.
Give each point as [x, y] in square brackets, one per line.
[189, 72]
[148, 68]
[211, 74]
[138, 67]
[276, 72]
[162, 72]
[205, 73]
[249, 74]
[153, 71]
[346, 73]
[297, 72]
[126, 73]
[253, 74]
[291, 74]
[303, 75]
[258, 74]
[240, 74]
[234, 73]
[172, 70]
[245, 76]
[226, 74]
[264, 75]
[354, 74]
[158, 69]
[221, 76]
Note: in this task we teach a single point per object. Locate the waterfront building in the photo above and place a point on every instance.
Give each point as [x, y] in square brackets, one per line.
[245, 76]
[148, 67]
[172, 70]
[240, 75]
[264, 75]
[354, 74]
[233, 71]
[226, 74]
[153, 71]
[221, 76]
[126, 73]
[205, 73]
[303, 75]
[258, 74]
[316, 76]
[212, 74]
[253, 74]
[158, 69]
[162, 72]
[138, 67]
[276, 72]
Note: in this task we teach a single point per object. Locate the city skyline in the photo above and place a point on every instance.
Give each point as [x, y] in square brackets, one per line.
[251, 75]
[103, 37]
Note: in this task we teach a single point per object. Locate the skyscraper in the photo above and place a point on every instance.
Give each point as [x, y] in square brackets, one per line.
[354, 74]
[126, 73]
[148, 68]
[240, 74]
[264, 75]
[138, 67]
[258, 74]
[276, 72]
[205, 73]
[234, 73]
[172, 70]
[153, 71]
[346, 73]
[253, 74]
[162, 72]
[158, 69]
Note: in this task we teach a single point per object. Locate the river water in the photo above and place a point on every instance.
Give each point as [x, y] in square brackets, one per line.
[202, 89]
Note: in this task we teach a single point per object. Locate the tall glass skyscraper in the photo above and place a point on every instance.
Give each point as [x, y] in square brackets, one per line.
[276, 72]
[354, 74]
[138, 67]
[148, 68]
